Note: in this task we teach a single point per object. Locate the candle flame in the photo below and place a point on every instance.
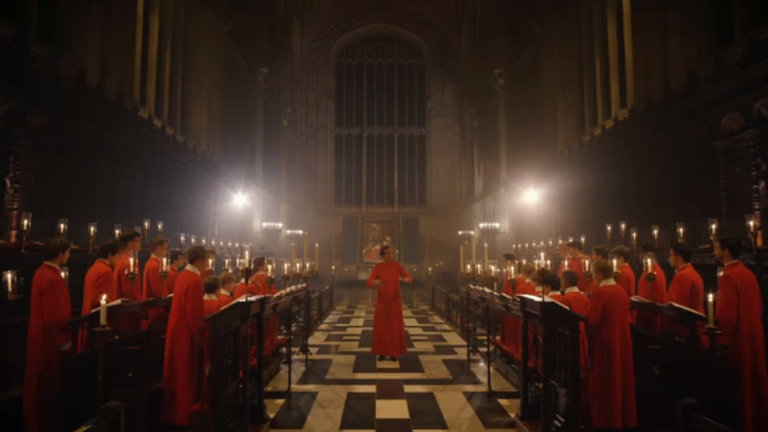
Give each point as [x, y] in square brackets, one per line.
[104, 297]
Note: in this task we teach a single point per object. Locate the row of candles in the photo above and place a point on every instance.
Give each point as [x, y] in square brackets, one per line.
[751, 222]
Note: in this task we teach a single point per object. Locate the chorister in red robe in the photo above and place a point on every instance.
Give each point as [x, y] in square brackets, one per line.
[225, 297]
[656, 292]
[173, 275]
[185, 338]
[99, 280]
[739, 314]
[612, 377]
[154, 287]
[578, 302]
[272, 324]
[48, 337]
[687, 289]
[388, 324]
[627, 280]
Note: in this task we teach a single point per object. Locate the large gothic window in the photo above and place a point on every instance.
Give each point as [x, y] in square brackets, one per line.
[380, 138]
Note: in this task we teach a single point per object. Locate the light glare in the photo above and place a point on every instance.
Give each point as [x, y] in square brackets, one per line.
[240, 200]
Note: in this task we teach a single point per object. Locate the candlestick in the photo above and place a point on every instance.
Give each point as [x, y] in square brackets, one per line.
[633, 234]
[131, 265]
[92, 229]
[622, 229]
[587, 269]
[583, 241]
[103, 311]
[159, 228]
[182, 239]
[681, 232]
[615, 265]
[165, 264]
[293, 253]
[713, 228]
[317, 256]
[146, 229]
[204, 241]
[485, 256]
[193, 239]
[65, 274]
[655, 232]
[474, 249]
[609, 232]
[247, 255]
[210, 263]
[461, 256]
[118, 230]
[711, 310]
[333, 270]
[26, 221]
[306, 246]
[10, 279]
[62, 227]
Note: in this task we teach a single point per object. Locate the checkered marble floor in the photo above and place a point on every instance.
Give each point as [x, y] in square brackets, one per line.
[346, 388]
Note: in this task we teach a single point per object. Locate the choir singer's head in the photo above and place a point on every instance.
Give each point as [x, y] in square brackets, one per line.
[727, 249]
[386, 253]
[599, 253]
[575, 248]
[211, 285]
[131, 241]
[160, 246]
[110, 252]
[178, 259]
[56, 251]
[680, 255]
[197, 256]
[602, 270]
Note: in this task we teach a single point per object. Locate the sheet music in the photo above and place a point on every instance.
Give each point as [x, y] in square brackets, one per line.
[685, 308]
[640, 299]
[110, 304]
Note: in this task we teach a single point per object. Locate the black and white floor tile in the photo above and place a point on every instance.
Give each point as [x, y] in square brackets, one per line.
[432, 388]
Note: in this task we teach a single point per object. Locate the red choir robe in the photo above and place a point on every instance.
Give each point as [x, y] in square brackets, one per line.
[129, 289]
[655, 292]
[687, 289]
[184, 340]
[47, 339]
[242, 288]
[739, 314]
[272, 324]
[627, 280]
[225, 297]
[211, 305]
[173, 275]
[513, 327]
[154, 287]
[99, 280]
[388, 324]
[612, 377]
[578, 302]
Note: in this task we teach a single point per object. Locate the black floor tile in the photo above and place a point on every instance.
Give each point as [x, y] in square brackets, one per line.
[410, 363]
[316, 372]
[460, 372]
[294, 411]
[366, 339]
[344, 320]
[489, 411]
[359, 411]
[390, 389]
[364, 363]
[422, 319]
[444, 350]
[328, 349]
[393, 425]
[425, 411]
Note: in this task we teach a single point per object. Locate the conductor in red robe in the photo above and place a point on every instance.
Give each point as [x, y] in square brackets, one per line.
[612, 378]
[154, 284]
[184, 342]
[388, 324]
[49, 340]
[99, 281]
[739, 315]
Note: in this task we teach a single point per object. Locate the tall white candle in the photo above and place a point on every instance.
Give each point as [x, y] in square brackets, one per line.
[103, 310]
[131, 265]
[615, 265]
[711, 309]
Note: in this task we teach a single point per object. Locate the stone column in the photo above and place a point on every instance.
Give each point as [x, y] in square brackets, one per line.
[178, 62]
[629, 53]
[613, 56]
[502, 110]
[152, 47]
[598, 39]
[138, 54]
[587, 74]
[261, 85]
[168, 23]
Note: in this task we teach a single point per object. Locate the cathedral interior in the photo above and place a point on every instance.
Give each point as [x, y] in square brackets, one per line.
[316, 133]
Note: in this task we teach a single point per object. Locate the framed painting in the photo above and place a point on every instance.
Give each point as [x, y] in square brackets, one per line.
[377, 233]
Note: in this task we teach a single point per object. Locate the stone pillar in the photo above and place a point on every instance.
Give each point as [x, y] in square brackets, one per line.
[502, 108]
[152, 47]
[629, 53]
[613, 56]
[168, 23]
[261, 86]
[598, 39]
[138, 54]
[588, 65]
[178, 62]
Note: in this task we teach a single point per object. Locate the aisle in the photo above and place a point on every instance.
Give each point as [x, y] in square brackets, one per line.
[346, 388]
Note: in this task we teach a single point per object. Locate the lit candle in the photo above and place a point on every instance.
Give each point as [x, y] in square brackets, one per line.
[430, 271]
[269, 269]
[182, 238]
[26, 221]
[681, 231]
[160, 227]
[633, 233]
[306, 246]
[608, 231]
[485, 256]
[566, 265]
[648, 265]
[192, 239]
[118, 229]
[165, 264]
[711, 309]
[65, 274]
[210, 263]
[247, 258]
[285, 268]
[92, 229]
[103, 310]
[298, 267]
[583, 240]
[10, 280]
[655, 232]
[293, 253]
[227, 263]
[317, 255]
[306, 265]
[131, 265]
[549, 265]
[615, 265]
[542, 256]
[146, 226]
[586, 266]
[622, 228]
[333, 270]
[713, 227]
[62, 226]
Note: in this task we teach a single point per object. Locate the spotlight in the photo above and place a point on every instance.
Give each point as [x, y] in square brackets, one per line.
[240, 200]
[530, 196]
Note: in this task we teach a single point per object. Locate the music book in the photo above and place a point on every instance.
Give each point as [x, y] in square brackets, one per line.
[687, 309]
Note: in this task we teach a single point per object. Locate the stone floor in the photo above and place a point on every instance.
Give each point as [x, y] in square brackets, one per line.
[430, 388]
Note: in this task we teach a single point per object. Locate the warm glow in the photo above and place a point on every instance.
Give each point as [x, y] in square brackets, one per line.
[240, 199]
[530, 196]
